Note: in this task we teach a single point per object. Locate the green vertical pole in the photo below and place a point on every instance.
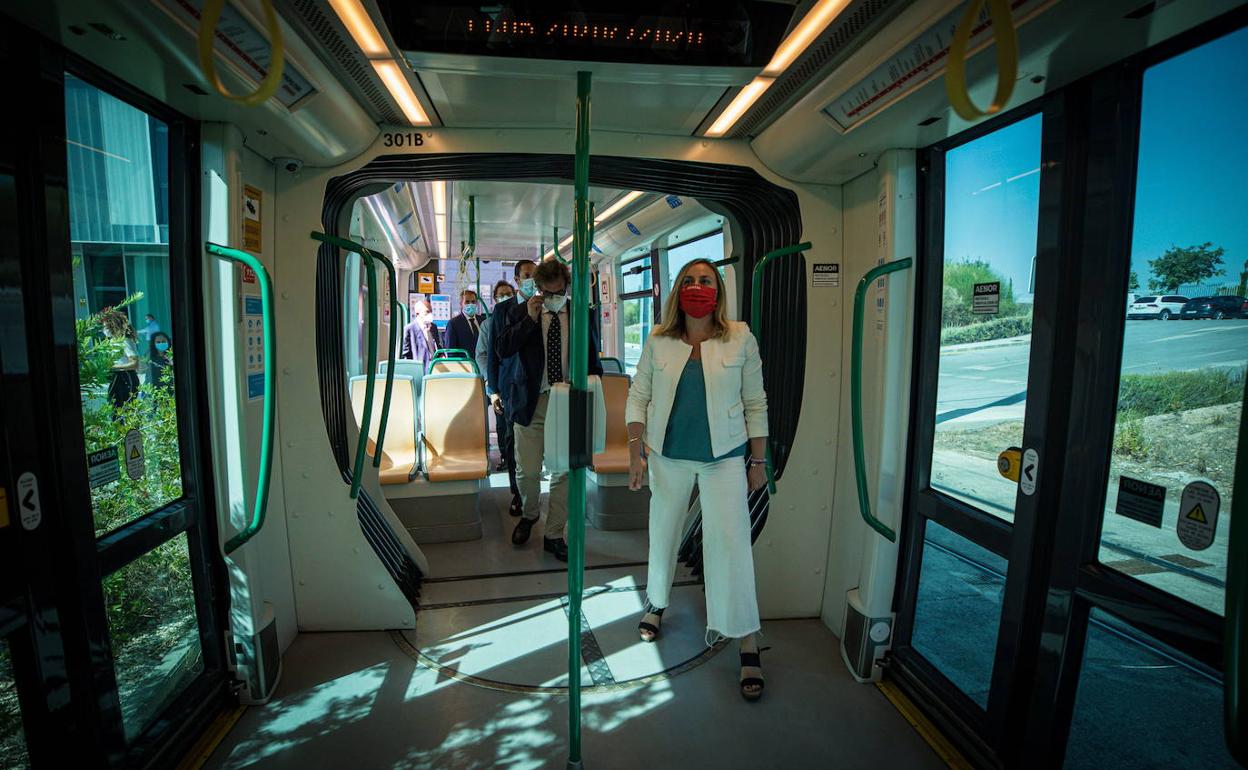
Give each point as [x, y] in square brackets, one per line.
[554, 232]
[472, 242]
[578, 352]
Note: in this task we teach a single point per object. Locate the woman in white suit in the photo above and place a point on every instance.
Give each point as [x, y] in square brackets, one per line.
[698, 408]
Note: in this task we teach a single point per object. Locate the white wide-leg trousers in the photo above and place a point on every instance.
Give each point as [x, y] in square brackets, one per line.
[727, 558]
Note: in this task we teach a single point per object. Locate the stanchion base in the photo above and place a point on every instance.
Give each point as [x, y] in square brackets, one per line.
[575, 765]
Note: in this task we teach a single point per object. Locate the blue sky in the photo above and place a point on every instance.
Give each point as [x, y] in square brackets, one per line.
[1192, 182]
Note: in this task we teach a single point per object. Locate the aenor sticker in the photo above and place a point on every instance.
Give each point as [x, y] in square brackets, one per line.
[1198, 515]
[102, 467]
[1141, 501]
[826, 275]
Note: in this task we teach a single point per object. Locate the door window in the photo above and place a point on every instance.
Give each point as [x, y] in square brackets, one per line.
[119, 230]
[992, 205]
[1167, 506]
[1136, 697]
[12, 736]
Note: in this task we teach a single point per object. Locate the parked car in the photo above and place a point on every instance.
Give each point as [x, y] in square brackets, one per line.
[1162, 307]
[1215, 307]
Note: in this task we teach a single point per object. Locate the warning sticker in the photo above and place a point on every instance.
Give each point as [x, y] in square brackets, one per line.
[987, 299]
[253, 312]
[28, 508]
[425, 281]
[827, 275]
[1198, 515]
[102, 467]
[251, 219]
[1029, 470]
[1141, 501]
[135, 464]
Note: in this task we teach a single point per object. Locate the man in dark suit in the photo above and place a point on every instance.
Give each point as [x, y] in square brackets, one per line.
[463, 329]
[421, 338]
[534, 343]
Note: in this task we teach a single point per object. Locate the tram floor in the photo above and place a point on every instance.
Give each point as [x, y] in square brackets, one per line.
[481, 682]
[359, 700]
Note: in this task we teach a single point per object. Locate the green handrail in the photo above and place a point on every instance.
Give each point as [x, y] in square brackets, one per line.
[451, 353]
[578, 362]
[370, 366]
[395, 335]
[555, 245]
[270, 349]
[756, 314]
[1235, 677]
[860, 461]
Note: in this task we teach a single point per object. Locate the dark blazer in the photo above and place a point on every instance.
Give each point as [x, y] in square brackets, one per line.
[416, 346]
[461, 333]
[493, 369]
[522, 353]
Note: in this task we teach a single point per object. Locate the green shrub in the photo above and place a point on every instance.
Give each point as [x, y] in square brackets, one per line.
[150, 602]
[996, 329]
[1168, 392]
[1129, 436]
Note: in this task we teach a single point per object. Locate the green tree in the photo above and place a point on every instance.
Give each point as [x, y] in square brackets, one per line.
[1184, 265]
[1133, 283]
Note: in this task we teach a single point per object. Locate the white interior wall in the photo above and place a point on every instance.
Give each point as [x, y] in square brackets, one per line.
[260, 570]
[844, 556]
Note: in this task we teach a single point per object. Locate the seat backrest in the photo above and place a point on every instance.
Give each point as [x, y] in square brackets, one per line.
[456, 365]
[413, 369]
[401, 426]
[452, 406]
[611, 365]
[615, 397]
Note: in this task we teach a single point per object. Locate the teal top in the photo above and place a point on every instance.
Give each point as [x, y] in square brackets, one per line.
[688, 431]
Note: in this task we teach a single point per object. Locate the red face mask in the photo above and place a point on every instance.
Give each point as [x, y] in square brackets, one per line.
[697, 300]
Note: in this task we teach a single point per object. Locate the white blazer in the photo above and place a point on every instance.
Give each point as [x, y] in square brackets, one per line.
[736, 404]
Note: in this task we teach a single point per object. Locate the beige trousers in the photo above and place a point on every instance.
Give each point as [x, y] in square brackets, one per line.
[530, 449]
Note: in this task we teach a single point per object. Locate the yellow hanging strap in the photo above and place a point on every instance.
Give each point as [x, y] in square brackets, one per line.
[1006, 37]
[208, 21]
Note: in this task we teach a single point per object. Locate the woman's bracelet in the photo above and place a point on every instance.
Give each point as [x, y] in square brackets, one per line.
[634, 440]
[752, 461]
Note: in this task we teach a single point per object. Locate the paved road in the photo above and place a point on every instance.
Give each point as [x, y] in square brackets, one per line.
[988, 381]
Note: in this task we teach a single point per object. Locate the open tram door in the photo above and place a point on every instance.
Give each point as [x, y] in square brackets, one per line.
[112, 618]
[1071, 582]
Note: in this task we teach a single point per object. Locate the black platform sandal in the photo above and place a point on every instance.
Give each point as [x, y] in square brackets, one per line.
[644, 628]
[754, 660]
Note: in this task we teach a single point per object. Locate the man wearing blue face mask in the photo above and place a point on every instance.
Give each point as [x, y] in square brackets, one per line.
[462, 330]
[534, 342]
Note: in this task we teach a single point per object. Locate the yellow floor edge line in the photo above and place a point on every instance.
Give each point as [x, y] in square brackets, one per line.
[198, 754]
[923, 726]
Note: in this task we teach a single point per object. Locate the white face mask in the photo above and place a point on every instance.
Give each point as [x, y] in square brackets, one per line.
[470, 309]
[528, 287]
[555, 302]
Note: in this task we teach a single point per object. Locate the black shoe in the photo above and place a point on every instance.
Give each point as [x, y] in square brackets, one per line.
[517, 506]
[520, 535]
[557, 546]
[650, 631]
[752, 686]
[502, 466]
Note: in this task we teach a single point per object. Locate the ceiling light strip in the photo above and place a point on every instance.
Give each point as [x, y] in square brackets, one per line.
[392, 76]
[807, 30]
[360, 25]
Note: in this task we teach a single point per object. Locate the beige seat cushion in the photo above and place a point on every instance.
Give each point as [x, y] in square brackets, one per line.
[614, 459]
[453, 413]
[399, 457]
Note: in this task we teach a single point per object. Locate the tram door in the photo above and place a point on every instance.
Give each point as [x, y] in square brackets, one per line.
[1072, 468]
[112, 642]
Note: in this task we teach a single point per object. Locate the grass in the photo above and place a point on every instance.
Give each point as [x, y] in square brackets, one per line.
[1142, 395]
[996, 329]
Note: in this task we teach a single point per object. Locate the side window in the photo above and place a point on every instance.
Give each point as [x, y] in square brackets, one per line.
[636, 308]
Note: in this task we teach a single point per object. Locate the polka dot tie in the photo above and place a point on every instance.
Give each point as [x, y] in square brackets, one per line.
[554, 350]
